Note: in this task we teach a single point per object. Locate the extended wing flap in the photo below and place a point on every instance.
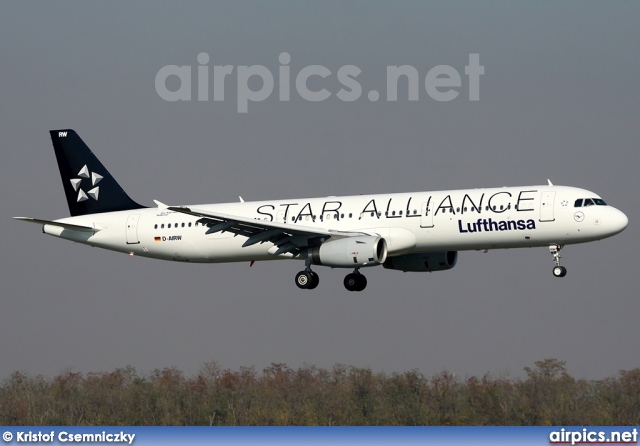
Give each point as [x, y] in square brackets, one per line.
[261, 237]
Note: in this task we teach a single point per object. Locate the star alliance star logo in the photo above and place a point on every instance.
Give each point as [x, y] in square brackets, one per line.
[95, 179]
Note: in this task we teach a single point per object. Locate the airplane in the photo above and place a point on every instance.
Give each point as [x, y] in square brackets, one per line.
[417, 231]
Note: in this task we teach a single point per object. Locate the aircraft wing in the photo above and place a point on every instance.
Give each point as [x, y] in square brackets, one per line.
[69, 226]
[287, 237]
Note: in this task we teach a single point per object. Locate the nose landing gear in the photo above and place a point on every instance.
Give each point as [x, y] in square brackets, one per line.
[558, 271]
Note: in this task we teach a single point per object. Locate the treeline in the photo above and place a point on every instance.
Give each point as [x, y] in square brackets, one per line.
[310, 395]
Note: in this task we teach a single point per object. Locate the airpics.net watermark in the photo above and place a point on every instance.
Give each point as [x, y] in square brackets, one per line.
[441, 83]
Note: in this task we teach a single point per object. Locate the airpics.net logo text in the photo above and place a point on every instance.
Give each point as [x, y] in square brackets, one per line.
[256, 83]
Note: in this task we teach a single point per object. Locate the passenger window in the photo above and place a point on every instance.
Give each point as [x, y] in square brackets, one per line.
[155, 226]
[169, 226]
[162, 226]
[182, 225]
[189, 224]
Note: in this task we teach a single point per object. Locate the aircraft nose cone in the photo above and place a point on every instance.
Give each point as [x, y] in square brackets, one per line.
[618, 221]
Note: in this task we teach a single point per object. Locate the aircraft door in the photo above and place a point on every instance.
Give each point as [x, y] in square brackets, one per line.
[546, 206]
[132, 229]
[426, 214]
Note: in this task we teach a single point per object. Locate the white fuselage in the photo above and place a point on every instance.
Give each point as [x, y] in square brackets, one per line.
[509, 217]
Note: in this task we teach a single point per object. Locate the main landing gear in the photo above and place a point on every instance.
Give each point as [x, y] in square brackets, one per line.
[558, 271]
[308, 280]
[355, 281]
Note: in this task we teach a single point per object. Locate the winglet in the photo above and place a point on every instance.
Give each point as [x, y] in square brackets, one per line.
[550, 183]
[241, 199]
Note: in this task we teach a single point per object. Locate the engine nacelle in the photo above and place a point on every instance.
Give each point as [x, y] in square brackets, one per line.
[350, 252]
[423, 261]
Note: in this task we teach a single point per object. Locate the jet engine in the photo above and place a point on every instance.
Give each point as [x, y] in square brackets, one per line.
[350, 252]
[423, 261]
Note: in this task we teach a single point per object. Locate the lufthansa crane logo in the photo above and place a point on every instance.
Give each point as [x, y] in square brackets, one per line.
[77, 183]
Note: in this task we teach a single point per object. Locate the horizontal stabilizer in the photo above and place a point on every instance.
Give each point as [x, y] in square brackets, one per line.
[68, 226]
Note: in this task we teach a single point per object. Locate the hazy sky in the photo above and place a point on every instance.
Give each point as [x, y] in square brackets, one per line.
[559, 99]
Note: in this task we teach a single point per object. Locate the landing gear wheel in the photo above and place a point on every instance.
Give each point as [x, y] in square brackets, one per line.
[350, 282]
[304, 279]
[362, 282]
[307, 280]
[559, 271]
[355, 282]
[315, 280]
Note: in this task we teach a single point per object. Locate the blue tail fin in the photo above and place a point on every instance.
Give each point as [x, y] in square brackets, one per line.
[88, 186]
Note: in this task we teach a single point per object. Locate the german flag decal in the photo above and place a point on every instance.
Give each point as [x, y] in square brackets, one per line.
[157, 239]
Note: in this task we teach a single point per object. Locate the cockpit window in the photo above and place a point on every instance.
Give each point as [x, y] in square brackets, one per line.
[583, 202]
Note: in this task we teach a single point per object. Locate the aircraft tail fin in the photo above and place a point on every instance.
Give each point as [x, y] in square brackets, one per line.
[88, 186]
